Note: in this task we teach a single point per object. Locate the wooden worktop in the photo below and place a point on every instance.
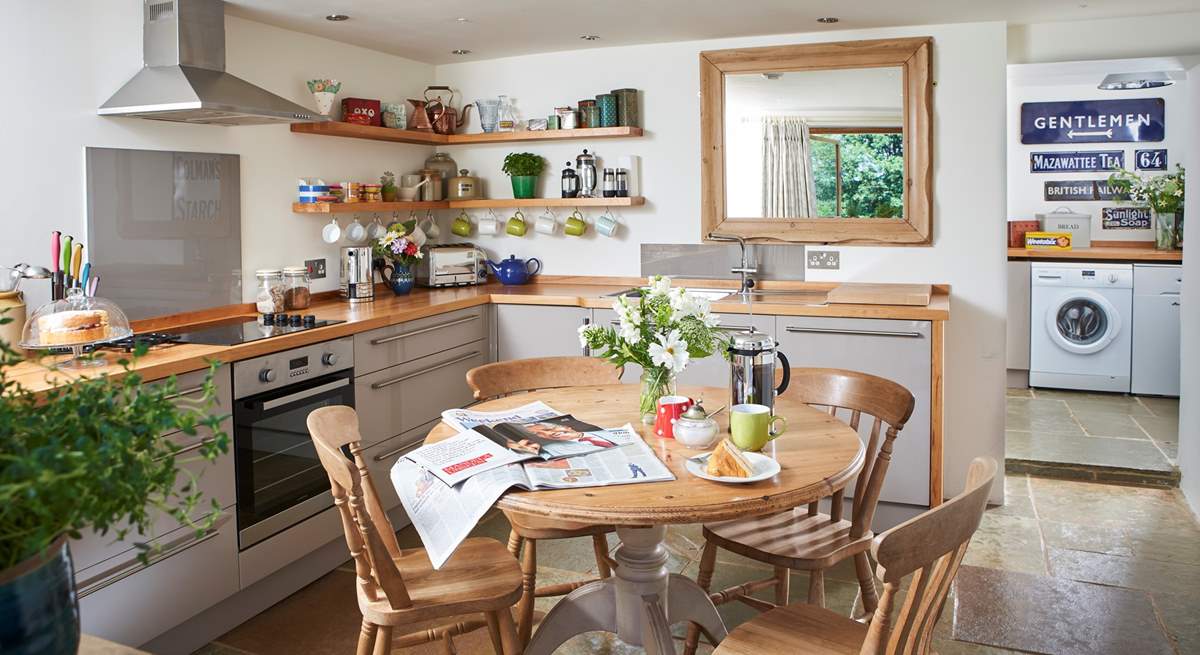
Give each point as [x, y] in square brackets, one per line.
[388, 309]
[1102, 253]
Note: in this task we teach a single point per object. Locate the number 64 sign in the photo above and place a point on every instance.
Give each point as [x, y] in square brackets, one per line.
[1150, 160]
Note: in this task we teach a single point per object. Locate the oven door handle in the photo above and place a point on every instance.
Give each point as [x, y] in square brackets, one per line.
[307, 393]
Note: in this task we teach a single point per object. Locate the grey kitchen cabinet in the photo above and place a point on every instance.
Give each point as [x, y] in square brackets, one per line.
[382, 456]
[396, 344]
[395, 400]
[899, 350]
[1017, 341]
[131, 603]
[524, 331]
[1156, 329]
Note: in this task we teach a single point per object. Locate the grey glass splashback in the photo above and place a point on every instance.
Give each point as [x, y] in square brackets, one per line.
[164, 229]
[713, 261]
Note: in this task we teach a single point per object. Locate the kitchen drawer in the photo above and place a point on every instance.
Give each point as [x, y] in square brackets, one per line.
[404, 342]
[397, 399]
[134, 603]
[382, 456]
[894, 349]
[1157, 279]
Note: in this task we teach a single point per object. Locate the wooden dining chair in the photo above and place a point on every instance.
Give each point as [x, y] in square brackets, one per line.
[522, 376]
[401, 588]
[804, 538]
[930, 547]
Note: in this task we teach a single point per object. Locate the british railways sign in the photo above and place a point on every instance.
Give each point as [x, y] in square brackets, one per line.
[1093, 121]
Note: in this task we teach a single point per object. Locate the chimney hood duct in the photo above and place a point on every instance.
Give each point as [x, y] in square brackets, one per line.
[184, 78]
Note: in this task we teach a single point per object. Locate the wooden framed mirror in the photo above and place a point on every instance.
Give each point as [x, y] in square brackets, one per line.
[819, 143]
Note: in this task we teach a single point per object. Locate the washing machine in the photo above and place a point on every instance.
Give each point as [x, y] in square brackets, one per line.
[1080, 322]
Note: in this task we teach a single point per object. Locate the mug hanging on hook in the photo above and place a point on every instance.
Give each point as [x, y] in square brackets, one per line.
[376, 230]
[356, 232]
[606, 223]
[576, 224]
[547, 223]
[432, 230]
[461, 225]
[489, 224]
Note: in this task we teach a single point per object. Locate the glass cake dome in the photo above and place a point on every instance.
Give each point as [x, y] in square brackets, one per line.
[74, 322]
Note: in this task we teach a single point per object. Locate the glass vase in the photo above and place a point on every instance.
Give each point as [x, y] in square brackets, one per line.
[1179, 228]
[656, 383]
[1164, 230]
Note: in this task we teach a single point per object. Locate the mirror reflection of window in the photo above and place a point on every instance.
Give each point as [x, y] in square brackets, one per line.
[823, 143]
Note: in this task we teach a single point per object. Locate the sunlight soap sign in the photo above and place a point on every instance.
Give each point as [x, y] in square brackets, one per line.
[1093, 121]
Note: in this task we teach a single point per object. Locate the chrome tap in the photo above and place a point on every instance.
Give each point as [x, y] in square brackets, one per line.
[745, 269]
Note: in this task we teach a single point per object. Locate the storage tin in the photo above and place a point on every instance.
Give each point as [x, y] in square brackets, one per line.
[627, 107]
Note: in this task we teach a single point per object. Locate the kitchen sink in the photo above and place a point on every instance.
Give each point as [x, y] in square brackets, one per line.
[774, 296]
[712, 295]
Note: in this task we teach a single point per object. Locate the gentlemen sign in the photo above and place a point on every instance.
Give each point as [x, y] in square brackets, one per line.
[1097, 161]
[1093, 121]
[1125, 218]
[1082, 190]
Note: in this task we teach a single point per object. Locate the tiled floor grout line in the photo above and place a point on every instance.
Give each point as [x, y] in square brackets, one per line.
[1038, 519]
[1144, 406]
[1153, 441]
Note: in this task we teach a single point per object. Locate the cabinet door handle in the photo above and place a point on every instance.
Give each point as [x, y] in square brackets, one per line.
[196, 446]
[868, 333]
[735, 328]
[396, 337]
[397, 451]
[307, 393]
[122, 571]
[402, 378]
[1049, 277]
[185, 392]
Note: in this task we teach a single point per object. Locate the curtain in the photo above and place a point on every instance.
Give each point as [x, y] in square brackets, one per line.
[787, 176]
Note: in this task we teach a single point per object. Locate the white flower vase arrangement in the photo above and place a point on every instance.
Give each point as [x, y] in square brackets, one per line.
[324, 91]
[662, 330]
[1163, 194]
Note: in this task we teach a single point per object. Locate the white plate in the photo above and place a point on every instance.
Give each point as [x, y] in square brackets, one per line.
[764, 468]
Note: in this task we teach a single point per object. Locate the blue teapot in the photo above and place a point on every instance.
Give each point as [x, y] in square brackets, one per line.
[513, 270]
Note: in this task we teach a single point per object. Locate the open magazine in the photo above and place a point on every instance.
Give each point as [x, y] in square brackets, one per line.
[445, 514]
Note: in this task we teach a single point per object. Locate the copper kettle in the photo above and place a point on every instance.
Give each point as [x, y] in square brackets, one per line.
[443, 117]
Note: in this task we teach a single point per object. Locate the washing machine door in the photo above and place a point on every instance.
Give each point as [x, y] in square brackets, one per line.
[1082, 322]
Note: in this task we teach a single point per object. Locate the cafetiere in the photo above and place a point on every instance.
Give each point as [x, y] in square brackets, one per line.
[752, 362]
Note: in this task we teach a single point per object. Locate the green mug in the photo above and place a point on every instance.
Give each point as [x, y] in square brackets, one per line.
[752, 426]
[516, 225]
[461, 225]
[575, 224]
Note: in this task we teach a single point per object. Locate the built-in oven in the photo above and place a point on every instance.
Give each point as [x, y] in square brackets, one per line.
[280, 480]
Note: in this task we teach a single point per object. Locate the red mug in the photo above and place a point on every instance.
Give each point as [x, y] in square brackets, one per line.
[670, 408]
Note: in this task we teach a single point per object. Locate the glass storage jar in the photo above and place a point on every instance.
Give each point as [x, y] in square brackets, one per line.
[270, 290]
[296, 294]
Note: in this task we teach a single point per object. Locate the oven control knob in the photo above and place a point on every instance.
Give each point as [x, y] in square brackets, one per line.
[329, 359]
[266, 375]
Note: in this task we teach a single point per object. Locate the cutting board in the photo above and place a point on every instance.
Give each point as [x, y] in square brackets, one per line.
[881, 294]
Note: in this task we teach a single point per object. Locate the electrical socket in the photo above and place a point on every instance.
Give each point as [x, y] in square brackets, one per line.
[830, 260]
[316, 268]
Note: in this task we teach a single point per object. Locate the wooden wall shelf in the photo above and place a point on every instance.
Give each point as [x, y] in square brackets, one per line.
[382, 207]
[350, 130]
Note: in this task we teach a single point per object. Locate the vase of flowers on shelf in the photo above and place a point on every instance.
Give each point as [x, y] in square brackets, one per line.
[661, 329]
[1163, 194]
[399, 252]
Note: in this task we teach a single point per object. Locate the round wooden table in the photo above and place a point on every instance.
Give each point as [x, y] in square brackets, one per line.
[818, 455]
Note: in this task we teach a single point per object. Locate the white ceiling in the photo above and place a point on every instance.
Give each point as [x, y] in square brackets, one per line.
[427, 30]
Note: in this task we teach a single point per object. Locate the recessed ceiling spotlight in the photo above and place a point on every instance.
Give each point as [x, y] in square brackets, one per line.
[590, 37]
[460, 51]
[828, 20]
[462, 19]
[337, 18]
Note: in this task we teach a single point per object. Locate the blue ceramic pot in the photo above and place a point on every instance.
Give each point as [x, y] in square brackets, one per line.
[38, 603]
[402, 280]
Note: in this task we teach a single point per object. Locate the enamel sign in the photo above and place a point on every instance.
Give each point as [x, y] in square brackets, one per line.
[1125, 218]
[1150, 160]
[1124, 120]
[1061, 190]
[1096, 161]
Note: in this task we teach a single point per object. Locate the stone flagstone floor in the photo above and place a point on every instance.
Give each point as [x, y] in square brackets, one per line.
[1064, 567]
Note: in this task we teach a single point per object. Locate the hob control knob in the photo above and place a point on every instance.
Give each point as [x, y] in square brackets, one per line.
[329, 359]
[266, 375]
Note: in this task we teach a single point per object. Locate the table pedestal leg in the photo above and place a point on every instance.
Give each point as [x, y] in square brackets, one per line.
[639, 603]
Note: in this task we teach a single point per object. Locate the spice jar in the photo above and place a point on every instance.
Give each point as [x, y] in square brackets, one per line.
[296, 294]
[589, 114]
[269, 298]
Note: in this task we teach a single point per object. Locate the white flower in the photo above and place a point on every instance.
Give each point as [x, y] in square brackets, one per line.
[670, 352]
[660, 285]
[583, 335]
[630, 333]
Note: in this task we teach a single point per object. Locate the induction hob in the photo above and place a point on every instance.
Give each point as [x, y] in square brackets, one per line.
[236, 331]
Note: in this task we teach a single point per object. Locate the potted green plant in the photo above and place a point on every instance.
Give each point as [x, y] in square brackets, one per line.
[1163, 194]
[524, 169]
[86, 456]
[387, 183]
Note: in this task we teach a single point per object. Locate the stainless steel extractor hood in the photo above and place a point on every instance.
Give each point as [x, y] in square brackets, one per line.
[184, 78]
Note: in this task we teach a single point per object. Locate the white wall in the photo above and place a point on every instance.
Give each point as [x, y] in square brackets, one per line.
[1078, 81]
[968, 187]
[1110, 38]
[1189, 356]
[65, 59]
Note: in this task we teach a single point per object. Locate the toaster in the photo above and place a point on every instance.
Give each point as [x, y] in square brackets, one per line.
[452, 265]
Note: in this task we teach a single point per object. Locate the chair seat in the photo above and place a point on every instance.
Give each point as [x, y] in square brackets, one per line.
[540, 527]
[792, 539]
[480, 576]
[799, 628]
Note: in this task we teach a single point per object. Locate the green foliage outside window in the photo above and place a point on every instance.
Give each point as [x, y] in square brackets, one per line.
[872, 175]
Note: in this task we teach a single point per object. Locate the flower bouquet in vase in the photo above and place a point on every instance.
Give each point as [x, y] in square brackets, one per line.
[1163, 194]
[398, 251]
[662, 329]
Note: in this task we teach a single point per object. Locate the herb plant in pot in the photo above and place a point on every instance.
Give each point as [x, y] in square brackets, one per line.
[387, 183]
[524, 169]
[87, 457]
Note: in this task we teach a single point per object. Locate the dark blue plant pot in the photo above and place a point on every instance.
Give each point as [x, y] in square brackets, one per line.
[402, 280]
[38, 605]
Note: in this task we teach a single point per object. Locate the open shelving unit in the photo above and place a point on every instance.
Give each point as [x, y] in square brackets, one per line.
[350, 130]
[382, 207]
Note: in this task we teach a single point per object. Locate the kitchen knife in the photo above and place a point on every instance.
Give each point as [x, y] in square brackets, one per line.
[85, 275]
[76, 261]
[93, 283]
[55, 261]
[66, 255]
